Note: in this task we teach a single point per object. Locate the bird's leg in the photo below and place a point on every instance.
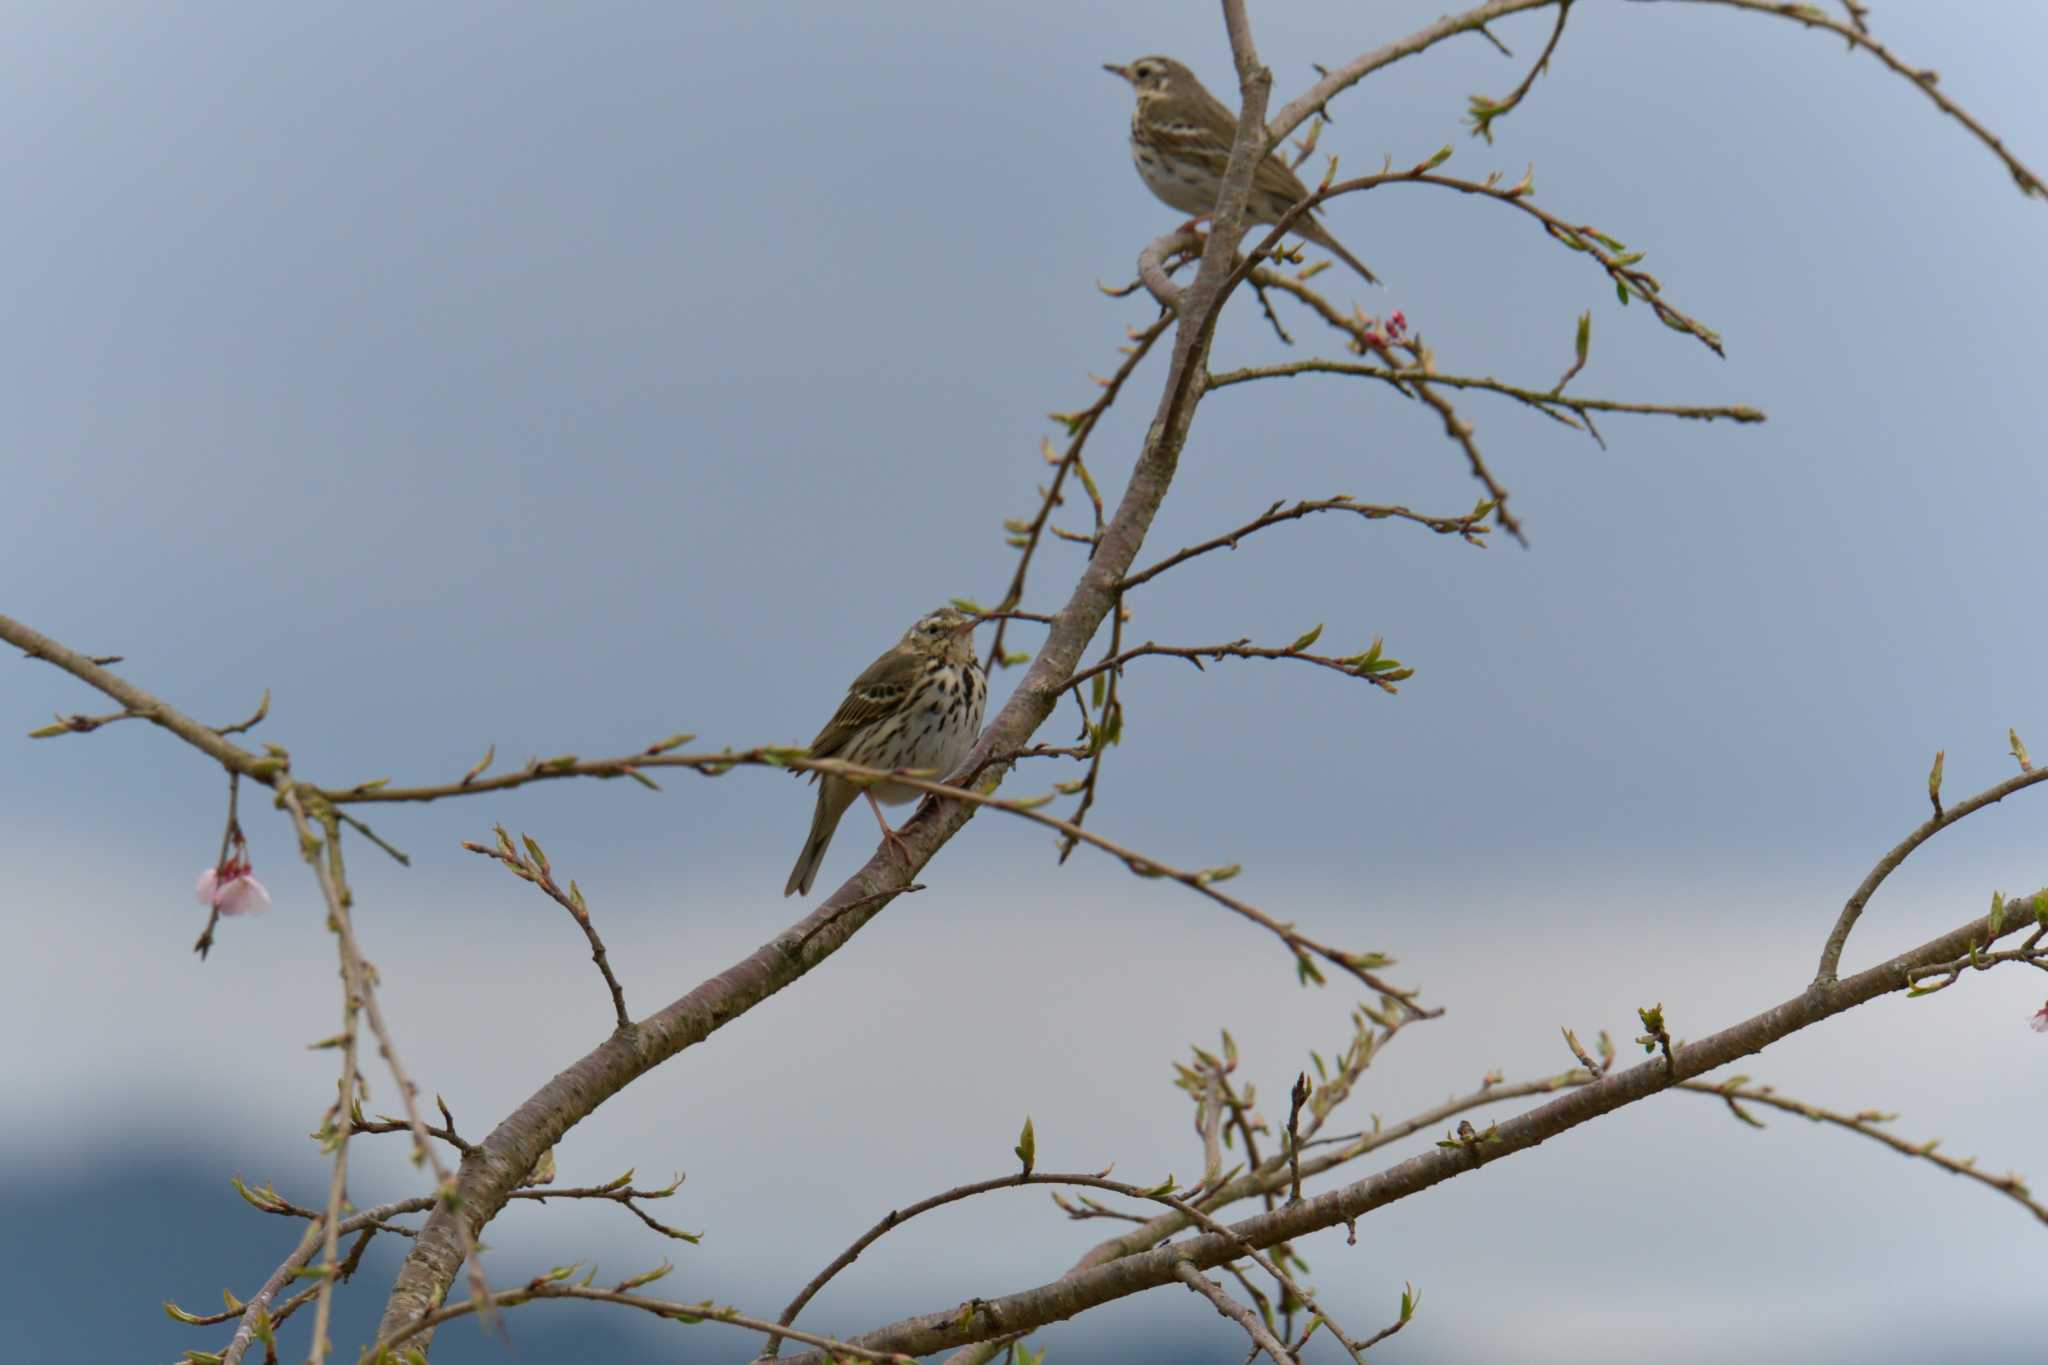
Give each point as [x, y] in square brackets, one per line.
[889, 836]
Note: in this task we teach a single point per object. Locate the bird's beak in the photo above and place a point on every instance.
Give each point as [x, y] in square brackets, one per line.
[1121, 72]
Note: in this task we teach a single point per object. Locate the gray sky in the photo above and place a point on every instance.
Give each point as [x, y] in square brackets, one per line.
[561, 377]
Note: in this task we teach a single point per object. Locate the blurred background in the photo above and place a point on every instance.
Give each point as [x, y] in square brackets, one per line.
[562, 377]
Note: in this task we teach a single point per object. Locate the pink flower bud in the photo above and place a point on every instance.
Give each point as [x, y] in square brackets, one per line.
[231, 890]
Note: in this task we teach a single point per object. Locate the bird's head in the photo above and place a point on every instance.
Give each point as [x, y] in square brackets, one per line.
[1152, 75]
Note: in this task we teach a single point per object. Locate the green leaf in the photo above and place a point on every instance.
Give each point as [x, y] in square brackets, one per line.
[177, 1314]
[645, 1277]
[1934, 777]
[1306, 640]
[1027, 1147]
[1997, 913]
[540, 859]
[1584, 340]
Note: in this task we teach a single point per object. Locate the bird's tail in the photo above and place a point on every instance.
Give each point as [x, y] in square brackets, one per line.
[1321, 236]
[833, 799]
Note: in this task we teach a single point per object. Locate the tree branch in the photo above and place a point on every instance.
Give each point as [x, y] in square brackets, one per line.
[1852, 910]
[1128, 1275]
[1469, 527]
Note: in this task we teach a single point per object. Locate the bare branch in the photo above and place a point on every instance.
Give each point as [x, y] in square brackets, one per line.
[1380, 672]
[137, 702]
[1736, 1093]
[1838, 937]
[1927, 82]
[1546, 401]
[551, 1286]
[532, 866]
[1118, 1278]
[1080, 426]
[1470, 527]
[1484, 111]
[1262, 1339]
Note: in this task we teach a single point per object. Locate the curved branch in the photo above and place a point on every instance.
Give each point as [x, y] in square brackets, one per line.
[1737, 1094]
[1341, 78]
[1611, 255]
[1925, 81]
[1838, 937]
[1469, 527]
[1484, 109]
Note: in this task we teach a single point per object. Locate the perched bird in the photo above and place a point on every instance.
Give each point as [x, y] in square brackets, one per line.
[1180, 140]
[918, 706]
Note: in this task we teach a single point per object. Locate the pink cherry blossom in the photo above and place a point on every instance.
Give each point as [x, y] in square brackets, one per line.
[231, 890]
[2039, 1023]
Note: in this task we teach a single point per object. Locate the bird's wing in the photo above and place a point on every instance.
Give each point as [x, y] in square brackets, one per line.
[1274, 176]
[873, 695]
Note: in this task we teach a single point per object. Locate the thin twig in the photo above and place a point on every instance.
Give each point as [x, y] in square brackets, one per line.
[1381, 672]
[1263, 1339]
[1925, 81]
[546, 1287]
[1484, 110]
[1852, 910]
[1545, 401]
[1470, 527]
[1080, 425]
[532, 866]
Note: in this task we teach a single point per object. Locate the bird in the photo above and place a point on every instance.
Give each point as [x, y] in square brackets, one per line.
[1180, 141]
[918, 706]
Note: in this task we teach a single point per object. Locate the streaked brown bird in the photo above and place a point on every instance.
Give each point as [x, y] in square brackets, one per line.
[1180, 140]
[918, 706]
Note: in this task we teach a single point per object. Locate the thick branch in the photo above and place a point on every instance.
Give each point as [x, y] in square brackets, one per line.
[1128, 1275]
[502, 1159]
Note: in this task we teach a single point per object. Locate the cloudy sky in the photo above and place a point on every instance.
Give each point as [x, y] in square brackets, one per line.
[561, 377]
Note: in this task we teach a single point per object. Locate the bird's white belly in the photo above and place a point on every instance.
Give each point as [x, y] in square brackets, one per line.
[941, 733]
[1181, 188]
